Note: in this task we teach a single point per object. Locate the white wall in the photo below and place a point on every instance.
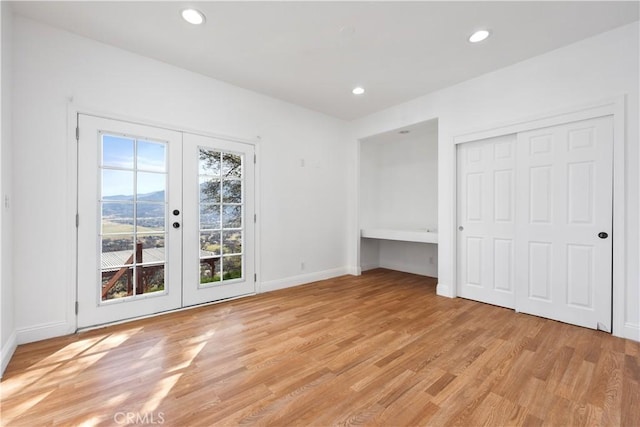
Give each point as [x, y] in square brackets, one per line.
[399, 190]
[399, 181]
[412, 257]
[301, 209]
[601, 67]
[7, 324]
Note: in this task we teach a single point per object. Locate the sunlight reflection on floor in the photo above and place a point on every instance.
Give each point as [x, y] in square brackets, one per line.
[144, 373]
[190, 354]
[162, 389]
[57, 369]
[22, 408]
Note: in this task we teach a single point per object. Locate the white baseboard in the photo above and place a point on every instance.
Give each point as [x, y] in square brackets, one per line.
[423, 270]
[444, 290]
[367, 267]
[354, 271]
[44, 331]
[288, 282]
[631, 331]
[7, 352]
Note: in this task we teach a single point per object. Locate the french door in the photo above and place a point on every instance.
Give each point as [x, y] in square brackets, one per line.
[535, 222]
[163, 220]
[218, 189]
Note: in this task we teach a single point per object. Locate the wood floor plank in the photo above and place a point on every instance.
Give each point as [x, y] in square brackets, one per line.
[377, 349]
[630, 415]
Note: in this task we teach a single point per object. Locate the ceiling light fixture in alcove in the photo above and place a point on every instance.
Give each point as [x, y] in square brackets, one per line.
[479, 36]
[358, 90]
[193, 16]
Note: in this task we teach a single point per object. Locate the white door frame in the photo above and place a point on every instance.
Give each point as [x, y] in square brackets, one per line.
[70, 323]
[608, 107]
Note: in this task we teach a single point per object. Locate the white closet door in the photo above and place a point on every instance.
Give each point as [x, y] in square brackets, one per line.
[564, 219]
[486, 215]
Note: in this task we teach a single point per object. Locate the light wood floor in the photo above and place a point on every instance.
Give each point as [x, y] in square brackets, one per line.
[380, 349]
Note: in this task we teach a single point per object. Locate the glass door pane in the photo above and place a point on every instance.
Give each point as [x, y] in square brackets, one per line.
[220, 208]
[133, 223]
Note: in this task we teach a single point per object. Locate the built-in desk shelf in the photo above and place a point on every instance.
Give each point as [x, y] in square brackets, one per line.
[421, 236]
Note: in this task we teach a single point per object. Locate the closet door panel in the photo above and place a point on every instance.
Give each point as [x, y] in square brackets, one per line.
[565, 197]
[486, 214]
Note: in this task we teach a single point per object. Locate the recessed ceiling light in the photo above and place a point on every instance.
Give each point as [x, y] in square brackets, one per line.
[479, 35]
[358, 90]
[193, 16]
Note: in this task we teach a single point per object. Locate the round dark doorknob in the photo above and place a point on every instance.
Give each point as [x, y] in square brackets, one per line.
[603, 235]
[176, 212]
[176, 225]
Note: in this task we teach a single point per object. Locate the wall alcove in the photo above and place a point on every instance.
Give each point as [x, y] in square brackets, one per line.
[398, 198]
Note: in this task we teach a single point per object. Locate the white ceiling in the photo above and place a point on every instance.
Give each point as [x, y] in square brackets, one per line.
[313, 53]
[425, 131]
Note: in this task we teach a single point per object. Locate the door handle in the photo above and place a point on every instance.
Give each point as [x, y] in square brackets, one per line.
[461, 228]
[603, 235]
[176, 212]
[176, 225]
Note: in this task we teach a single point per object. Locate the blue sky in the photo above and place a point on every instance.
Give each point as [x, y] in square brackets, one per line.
[118, 152]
